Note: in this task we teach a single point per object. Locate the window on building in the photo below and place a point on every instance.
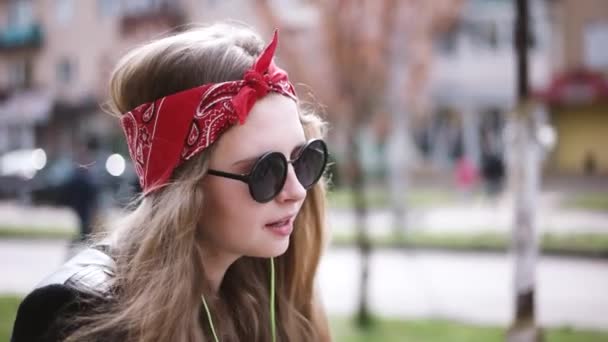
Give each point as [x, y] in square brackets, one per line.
[533, 42]
[66, 71]
[64, 11]
[20, 74]
[108, 8]
[20, 13]
[448, 41]
[483, 34]
[595, 40]
[138, 6]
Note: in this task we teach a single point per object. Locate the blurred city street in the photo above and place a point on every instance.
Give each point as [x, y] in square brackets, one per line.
[466, 148]
[465, 287]
[462, 286]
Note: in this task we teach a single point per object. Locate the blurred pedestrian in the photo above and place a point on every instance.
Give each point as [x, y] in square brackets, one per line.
[589, 164]
[230, 169]
[82, 187]
[493, 171]
[466, 174]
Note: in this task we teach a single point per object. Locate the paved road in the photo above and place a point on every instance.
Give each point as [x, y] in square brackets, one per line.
[466, 287]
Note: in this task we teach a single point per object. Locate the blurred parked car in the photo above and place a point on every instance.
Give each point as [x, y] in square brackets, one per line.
[28, 175]
[17, 168]
[46, 186]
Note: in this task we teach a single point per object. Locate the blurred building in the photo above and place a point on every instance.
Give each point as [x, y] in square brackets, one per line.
[577, 96]
[58, 54]
[56, 57]
[21, 39]
[473, 79]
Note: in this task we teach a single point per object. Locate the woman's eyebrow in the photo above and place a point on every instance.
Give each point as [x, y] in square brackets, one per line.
[253, 159]
[245, 161]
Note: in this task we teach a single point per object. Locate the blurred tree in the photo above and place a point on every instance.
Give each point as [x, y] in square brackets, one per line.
[410, 60]
[356, 45]
[525, 174]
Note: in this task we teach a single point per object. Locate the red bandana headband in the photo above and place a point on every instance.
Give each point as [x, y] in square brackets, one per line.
[164, 133]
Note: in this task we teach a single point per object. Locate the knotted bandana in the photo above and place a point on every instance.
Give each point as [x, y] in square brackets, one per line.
[164, 133]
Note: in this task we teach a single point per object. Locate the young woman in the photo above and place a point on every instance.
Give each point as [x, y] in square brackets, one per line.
[225, 244]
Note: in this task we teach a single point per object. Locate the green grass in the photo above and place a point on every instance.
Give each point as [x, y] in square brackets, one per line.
[385, 330]
[571, 335]
[429, 240]
[571, 243]
[588, 201]
[392, 330]
[8, 310]
[588, 242]
[26, 232]
[341, 198]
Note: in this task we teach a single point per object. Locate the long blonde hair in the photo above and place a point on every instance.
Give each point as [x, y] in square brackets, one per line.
[159, 278]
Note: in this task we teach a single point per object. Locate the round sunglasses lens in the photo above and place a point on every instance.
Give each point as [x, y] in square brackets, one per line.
[268, 176]
[310, 165]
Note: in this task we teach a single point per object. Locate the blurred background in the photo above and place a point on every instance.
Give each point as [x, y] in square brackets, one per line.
[469, 193]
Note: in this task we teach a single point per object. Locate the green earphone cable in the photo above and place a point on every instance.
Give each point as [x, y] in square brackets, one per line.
[273, 327]
[209, 318]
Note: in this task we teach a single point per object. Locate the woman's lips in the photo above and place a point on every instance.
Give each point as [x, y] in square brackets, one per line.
[282, 228]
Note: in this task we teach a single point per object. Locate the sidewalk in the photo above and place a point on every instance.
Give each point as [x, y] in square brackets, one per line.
[16, 215]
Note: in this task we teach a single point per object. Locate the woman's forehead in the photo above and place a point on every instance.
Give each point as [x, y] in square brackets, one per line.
[272, 125]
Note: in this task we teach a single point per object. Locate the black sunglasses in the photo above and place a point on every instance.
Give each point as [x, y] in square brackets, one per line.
[267, 176]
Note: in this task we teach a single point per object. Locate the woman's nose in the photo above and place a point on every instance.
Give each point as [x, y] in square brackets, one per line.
[293, 189]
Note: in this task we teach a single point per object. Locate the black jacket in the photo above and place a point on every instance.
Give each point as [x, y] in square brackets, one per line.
[44, 314]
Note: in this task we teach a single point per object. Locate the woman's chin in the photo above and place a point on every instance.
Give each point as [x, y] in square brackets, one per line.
[273, 250]
[279, 249]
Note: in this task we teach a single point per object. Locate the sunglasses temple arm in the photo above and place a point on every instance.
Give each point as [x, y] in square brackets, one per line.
[242, 178]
